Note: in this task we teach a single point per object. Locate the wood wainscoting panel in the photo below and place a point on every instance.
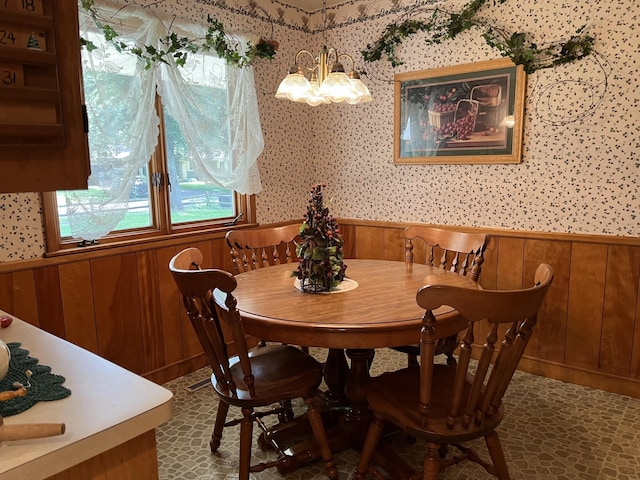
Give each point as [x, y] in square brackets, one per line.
[171, 309]
[349, 237]
[123, 303]
[621, 293]
[588, 331]
[150, 309]
[77, 304]
[6, 295]
[586, 300]
[18, 290]
[369, 242]
[118, 322]
[207, 252]
[49, 300]
[635, 356]
[221, 256]
[551, 330]
[393, 244]
[510, 263]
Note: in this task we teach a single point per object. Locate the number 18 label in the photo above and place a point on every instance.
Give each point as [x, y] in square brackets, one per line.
[24, 6]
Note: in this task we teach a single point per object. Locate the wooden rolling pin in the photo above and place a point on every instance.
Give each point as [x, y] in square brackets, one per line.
[9, 394]
[25, 431]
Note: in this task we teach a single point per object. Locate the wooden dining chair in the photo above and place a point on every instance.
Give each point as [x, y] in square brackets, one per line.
[459, 252]
[262, 247]
[451, 404]
[249, 379]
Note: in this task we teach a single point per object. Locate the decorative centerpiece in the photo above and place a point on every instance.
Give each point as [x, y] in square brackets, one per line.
[320, 267]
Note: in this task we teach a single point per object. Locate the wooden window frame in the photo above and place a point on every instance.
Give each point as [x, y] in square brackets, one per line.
[158, 203]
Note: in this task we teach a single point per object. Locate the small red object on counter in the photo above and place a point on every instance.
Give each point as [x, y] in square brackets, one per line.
[5, 321]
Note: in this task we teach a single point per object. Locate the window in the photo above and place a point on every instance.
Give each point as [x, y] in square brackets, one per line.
[164, 150]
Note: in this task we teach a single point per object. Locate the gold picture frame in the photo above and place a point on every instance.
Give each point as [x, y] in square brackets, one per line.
[462, 114]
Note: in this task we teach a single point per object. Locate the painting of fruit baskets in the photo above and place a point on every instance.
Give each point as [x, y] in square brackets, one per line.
[460, 114]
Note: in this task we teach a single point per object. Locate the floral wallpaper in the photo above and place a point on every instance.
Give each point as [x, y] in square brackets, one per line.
[22, 233]
[580, 167]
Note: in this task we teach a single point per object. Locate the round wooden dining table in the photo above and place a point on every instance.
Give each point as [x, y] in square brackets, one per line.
[374, 308]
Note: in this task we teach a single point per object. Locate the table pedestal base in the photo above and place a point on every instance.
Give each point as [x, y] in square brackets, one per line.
[346, 417]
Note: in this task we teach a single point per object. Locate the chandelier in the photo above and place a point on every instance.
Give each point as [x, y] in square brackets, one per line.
[327, 82]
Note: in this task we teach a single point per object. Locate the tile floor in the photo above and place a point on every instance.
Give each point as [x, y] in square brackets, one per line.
[552, 430]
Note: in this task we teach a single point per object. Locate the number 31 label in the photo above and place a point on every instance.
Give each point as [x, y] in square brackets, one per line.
[11, 75]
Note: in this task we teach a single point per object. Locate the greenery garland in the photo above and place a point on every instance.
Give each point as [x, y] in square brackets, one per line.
[178, 48]
[444, 25]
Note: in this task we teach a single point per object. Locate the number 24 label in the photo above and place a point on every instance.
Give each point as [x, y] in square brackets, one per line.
[7, 37]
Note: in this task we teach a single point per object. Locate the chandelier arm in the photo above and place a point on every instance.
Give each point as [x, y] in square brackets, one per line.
[333, 51]
[295, 60]
[353, 64]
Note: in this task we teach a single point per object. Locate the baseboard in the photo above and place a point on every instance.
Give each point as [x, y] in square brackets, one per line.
[177, 369]
[586, 378]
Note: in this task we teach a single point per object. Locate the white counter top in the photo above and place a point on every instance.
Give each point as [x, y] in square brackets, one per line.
[108, 406]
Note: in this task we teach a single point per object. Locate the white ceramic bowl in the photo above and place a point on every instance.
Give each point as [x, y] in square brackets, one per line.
[5, 357]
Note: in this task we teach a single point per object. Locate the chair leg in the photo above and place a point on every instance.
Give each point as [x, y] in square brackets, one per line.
[320, 436]
[246, 432]
[443, 450]
[412, 360]
[221, 418]
[431, 469]
[286, 412]
[497, 455]
[370, 444]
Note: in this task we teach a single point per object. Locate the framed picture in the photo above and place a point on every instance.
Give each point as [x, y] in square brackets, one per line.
[460, 114]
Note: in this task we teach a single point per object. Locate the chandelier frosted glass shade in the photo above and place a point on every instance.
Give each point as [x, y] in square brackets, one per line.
[337, 87]
[294, 87]
[362, 92]
[314, 99]
[325, 85]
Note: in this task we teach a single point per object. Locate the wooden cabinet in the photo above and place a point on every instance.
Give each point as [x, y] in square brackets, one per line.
[43, 141]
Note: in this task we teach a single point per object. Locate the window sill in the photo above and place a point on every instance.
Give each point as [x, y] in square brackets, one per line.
[145, 243]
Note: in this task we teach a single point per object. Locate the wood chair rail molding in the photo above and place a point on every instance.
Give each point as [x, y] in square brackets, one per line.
[588, 329]
[503, 232]
[75, 255]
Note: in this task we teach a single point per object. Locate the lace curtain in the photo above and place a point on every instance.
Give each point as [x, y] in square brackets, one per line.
[124, 125]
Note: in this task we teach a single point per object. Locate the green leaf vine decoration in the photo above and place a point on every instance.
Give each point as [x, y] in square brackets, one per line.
[444, 25]
[178, 47]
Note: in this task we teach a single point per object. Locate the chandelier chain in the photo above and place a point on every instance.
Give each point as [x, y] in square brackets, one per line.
[324, 22]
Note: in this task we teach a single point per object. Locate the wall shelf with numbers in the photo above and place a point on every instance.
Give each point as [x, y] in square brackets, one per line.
[43, 143]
